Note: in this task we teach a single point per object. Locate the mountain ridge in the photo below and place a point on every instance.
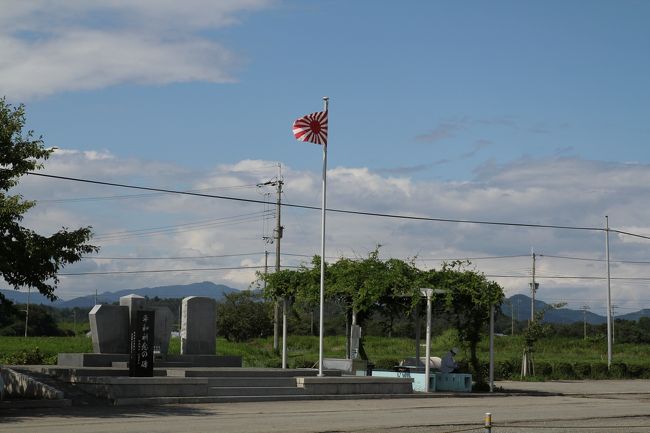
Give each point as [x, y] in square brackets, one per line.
[204, 288]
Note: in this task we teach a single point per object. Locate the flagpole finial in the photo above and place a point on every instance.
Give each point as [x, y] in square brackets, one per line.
[326, 98]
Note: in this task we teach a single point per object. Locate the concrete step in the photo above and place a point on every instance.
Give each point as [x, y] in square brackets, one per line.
[254, 391]
[246, 372]
[144, 401]
[252, 381]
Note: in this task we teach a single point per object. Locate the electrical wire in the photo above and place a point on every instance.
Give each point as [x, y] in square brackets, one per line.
[632, 262]
[472, 258]
[569, 277]
[198, 225]
[344, 211]
[156, 271]
[130, 196]
[172, 258]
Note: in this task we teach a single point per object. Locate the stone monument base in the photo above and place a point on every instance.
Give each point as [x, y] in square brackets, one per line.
[121, 360]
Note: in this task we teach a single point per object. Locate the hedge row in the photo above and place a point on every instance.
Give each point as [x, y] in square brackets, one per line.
[511, 369]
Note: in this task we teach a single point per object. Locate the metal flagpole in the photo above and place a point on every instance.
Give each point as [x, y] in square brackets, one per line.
[609, 298]
[322, 252]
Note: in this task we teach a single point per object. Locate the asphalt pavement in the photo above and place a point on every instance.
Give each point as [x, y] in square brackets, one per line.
[548, 407]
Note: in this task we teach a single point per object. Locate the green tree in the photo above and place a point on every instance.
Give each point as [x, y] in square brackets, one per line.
[468, 297]
[28, 259]
[242, 316]
[536, 329]
[9, 319]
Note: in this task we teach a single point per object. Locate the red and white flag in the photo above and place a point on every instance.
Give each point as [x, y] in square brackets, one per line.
[312, 128]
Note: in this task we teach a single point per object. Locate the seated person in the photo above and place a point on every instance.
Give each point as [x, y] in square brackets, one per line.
[448, 363]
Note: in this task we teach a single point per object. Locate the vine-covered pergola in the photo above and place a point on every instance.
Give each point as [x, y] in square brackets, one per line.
[363, 286]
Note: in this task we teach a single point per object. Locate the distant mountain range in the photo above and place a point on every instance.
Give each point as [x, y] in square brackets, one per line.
[520, 305]
[517, 304]
[206, 288]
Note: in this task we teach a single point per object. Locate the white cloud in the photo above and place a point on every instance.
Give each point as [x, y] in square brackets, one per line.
[574, 192]
[78, 45]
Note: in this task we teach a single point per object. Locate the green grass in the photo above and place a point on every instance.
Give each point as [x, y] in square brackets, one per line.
[558, 357]
[12, 348]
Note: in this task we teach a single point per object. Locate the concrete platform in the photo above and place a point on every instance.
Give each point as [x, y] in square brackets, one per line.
[355, 385]
[221, 384]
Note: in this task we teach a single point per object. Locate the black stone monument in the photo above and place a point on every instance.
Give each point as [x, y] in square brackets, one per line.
[142, 335]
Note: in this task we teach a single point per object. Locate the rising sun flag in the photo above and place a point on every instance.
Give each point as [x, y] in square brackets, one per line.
[312, 128]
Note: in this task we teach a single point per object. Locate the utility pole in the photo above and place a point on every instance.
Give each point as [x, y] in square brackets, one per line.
[533, 289]
[277, 235]
[584, 319]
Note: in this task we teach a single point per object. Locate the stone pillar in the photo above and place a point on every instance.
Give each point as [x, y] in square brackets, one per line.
[109, 328]
[198, 326]
[134, 303]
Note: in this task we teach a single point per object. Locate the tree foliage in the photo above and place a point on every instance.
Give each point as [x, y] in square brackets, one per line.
[28, 259]
[242, 316]
[468, 297]
[392, 288]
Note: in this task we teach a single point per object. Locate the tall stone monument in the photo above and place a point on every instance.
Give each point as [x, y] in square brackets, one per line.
[198, 326]
[109, 328]
[164, 321]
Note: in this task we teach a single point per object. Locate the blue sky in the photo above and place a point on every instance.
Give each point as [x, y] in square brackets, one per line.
[501, 110]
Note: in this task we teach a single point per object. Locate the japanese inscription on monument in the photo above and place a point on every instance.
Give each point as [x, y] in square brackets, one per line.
[142, 338]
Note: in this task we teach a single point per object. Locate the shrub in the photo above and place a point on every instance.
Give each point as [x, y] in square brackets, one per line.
[599, 370]
[26, 357]
[543, 369]
[618, 370]
[582, 370]
[563, 370]
[385, 363]
[301, 362]
[635, 371]
[507, 369]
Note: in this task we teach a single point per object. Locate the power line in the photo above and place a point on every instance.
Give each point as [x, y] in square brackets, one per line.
[570, 277]
[344, 211]
[472, 258]
[629, 234]
[633, 262]
[130, 196]
[234, 219]
[172, 258]
[156, 271]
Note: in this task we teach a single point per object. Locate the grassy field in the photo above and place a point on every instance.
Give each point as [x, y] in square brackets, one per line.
[556, 357]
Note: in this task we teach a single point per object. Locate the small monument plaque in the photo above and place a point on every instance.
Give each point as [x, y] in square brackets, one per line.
[142, 340]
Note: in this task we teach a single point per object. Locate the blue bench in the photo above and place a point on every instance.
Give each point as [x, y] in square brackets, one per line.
[457, 382]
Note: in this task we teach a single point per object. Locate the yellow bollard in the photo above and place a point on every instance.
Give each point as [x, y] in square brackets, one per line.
[488, 422]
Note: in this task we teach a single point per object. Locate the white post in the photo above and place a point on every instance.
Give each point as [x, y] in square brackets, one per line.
[284, 332]
[427, 356]
[609, 298]
[322, 252]
[491, 348]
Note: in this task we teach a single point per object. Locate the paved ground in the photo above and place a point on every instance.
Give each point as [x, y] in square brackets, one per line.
[548, 407]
